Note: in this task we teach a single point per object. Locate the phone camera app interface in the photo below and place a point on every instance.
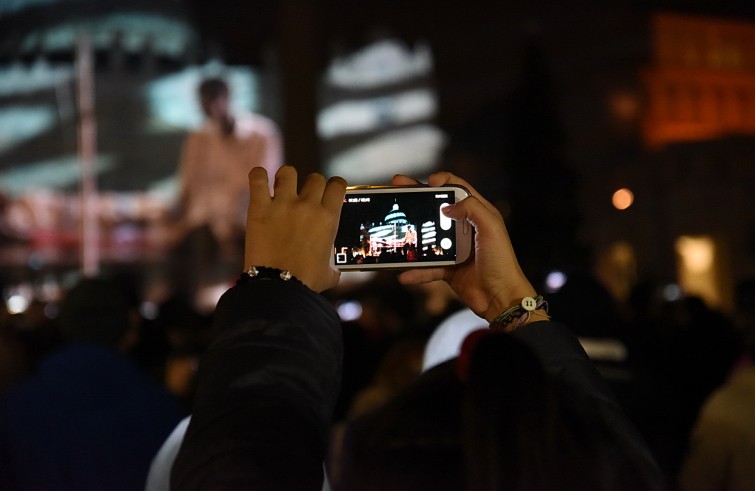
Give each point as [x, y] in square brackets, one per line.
[389, 228]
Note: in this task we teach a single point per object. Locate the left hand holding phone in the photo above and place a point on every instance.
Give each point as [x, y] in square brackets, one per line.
[294, 230]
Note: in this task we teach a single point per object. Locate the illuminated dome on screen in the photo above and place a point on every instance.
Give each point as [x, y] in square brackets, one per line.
[392, 228]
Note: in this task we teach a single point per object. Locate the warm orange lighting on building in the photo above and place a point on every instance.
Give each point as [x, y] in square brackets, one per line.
[698, 268]
[702, 81]
[622, 199]
[624, 106]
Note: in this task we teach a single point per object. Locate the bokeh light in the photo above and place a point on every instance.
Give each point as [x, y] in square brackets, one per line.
[622, 199]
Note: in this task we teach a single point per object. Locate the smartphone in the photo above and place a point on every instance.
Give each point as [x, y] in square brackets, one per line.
[394, 227]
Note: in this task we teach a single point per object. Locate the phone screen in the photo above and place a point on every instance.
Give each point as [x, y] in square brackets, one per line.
[385, 229]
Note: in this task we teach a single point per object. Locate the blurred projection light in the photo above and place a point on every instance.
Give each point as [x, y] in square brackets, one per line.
[672, 292]
[350, 310]
[555, 281]
[18, 299]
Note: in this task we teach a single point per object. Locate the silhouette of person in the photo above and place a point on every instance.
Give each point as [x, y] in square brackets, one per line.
[722, 442]
[89, 419]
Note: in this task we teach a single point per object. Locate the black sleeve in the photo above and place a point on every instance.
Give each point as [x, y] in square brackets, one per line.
[590, 402]
[266, 390]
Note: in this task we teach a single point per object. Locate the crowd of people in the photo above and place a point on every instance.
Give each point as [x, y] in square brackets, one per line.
[450, 378]
[289, 397]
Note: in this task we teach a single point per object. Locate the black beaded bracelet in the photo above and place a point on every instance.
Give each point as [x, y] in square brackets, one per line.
[266, 273]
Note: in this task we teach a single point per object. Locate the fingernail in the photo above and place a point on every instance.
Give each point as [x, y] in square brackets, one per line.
[447, 209]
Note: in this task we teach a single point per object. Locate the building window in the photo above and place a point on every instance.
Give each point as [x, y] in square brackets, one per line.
[697, 268]
[672, 102]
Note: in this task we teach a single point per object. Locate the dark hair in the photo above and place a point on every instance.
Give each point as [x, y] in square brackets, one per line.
[212, 88]
[514, 432]
[411, 443]
[95, 310]
[501, 429]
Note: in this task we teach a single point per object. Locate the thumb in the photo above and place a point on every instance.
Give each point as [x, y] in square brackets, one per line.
[474, 211]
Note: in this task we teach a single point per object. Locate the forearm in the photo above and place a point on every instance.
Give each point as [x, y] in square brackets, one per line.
[266, 389]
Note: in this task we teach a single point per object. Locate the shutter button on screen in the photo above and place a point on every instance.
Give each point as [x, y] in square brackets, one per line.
[445, 222]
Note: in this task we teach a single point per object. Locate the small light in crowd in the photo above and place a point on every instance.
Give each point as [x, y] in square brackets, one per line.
[698, 268]
[672, 292]
[149, 310]
[622, 199]
[17, 303]
[697, 253]
[35, 261]
[554, 281]
[207, 297]
[624, 106]
[350, 310]
[49, 290]
[51, 310]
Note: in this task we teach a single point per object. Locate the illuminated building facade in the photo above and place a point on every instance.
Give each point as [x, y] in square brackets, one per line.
[391, 232]
[395, 231]
[690, 220]
[702, 81]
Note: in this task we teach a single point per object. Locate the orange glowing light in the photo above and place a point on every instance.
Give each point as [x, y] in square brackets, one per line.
[622, 199]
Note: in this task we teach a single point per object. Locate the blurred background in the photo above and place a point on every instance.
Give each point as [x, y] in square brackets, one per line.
[617, 139]
[613, 137]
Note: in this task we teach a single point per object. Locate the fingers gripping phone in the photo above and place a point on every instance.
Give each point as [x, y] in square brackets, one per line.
[393, 227]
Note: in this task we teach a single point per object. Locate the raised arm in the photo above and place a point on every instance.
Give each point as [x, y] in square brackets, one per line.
[491, 283]
[269, 380]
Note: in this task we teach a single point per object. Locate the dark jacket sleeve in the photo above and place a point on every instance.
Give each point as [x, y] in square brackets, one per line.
[624, 455]
[266, 390]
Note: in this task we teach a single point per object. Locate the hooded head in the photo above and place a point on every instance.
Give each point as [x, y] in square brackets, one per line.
[95, 310]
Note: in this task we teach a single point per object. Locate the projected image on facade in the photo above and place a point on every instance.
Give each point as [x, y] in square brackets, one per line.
[145, 101]
[376, 120]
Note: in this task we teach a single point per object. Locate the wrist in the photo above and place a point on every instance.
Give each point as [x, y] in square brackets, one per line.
[529, 309]
[508, 298]
[267, 273]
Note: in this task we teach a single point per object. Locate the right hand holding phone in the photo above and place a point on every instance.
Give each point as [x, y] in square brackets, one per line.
[491, 281]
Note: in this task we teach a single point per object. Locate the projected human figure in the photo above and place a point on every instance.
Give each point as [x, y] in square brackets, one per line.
[410, 242]
[213, 186]
[364, 241]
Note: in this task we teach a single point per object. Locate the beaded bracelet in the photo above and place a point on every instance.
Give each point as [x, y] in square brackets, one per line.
[520, 314]
[266, 273]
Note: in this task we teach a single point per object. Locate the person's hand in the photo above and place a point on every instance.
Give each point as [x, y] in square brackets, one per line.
[294, 231]
[491, 281]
